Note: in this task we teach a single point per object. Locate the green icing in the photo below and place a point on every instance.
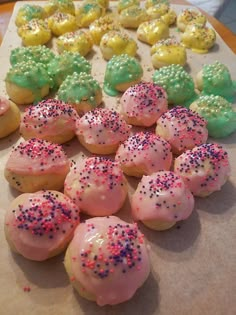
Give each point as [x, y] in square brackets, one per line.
[29, 75]
[219, 113]
[66, 64]
[177, 83]
[121, 69]
[217, 81]
[30, 11]
[37, 54]
[79, 87]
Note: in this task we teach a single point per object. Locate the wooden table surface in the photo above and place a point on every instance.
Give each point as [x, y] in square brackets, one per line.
[228, 36]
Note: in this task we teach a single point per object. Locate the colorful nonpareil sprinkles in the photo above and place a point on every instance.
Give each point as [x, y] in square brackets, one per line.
[121, 249]
[45, 213]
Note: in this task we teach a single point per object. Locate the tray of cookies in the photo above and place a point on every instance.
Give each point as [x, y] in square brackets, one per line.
[117, 139]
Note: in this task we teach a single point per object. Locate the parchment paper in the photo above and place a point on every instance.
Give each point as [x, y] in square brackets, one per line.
[193, 264]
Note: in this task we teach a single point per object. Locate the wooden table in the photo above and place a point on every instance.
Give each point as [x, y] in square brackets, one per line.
[230, 39]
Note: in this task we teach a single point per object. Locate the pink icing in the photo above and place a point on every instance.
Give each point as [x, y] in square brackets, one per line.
[102, 127]
[49, 117]
[144, 101]
[204, 169]
[145, 148]
[182, 128]
[109, 259]
[36, 156]
[40, 223]
[97, 185]
[162, 196]
[4, 105]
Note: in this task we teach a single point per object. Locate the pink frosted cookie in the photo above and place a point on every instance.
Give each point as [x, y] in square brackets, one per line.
[97, 185]
[143, 154]
[182, 128]
[102, 130]
[40, 225]
[37, 164]
[204, 169]
[51, 120]
[107, 260]
[143, 103]
[9, 117]
[161, 200]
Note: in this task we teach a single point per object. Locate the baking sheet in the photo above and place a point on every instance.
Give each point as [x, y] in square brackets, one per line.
[193, 264]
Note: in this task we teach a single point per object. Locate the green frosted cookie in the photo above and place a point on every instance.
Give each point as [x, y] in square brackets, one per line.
[66, 64]
[81, 91]
[216, 79]
[122, 71]
[37, 54]
[27, 82]
[177, 83]
[219, 113]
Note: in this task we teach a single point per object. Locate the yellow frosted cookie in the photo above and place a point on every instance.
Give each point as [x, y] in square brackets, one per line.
[166, 52]
[102, 26]
[28, 12]
[132, 17]
[152, 31]
[88, 12]
[65, 6]
[189, 16]
[9, 117]
[162, 11]
[198, 38]
[34, 33]
[117, 43]
[124, 4]
[61, 23]
[151, 3]
[79, 41]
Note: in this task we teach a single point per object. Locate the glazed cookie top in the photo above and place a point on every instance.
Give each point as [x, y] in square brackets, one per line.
[28, 12]
[39, 223]
[79, 87]
[182, 128]
[79, 41]
[35, 32]
[102, 127]
[60, 23]
[144, 101]
[97, 185]
[4, 105]
[48, 118]
[66, 64]
[133, 16]
[66, 6]
[145, 148]
[189, 16]
[117, 43]
[168, 51]
[151, 3]
[29, 75]
[88, 12]
[216, 79]
[110, 259]
[38, 54]
[177, 83]
[37, 157]
[205, 168]
[121, 69]
[162, 196]
[219, 113]
[198, 38]
[124, 4]
[102, 26]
